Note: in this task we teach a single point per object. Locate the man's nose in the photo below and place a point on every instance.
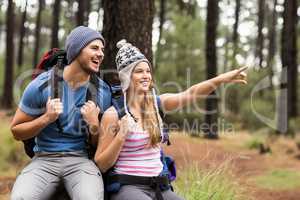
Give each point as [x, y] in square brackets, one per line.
[100, 53]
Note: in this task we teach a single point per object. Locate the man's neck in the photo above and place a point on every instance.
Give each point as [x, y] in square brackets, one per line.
[75, 76]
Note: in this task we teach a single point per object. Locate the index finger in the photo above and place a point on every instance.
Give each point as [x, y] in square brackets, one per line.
[91, 102]
[56, 100]
[242, 69]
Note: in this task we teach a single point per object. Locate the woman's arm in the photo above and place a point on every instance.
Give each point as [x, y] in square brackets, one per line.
[111, 139]
[201, 90]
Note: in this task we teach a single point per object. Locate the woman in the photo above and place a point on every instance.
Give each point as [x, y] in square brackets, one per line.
[131, 146]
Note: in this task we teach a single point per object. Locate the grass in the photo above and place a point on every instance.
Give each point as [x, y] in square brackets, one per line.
[1, 73]
[279, 179]
[12, 154]
[211, 184]
[260, 137]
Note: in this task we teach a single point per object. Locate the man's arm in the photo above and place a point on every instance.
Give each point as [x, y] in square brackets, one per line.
[24, 126]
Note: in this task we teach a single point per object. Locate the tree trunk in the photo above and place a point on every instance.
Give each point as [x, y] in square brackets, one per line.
[121, 22]
[87, 11]
[7, 97]
[289, 53]
[1, 20]
[55, 24]
[37, 34]
[211, 117]
[234, 104]
[162, 16]
[235, 36]
[22, 35]
[272, 36]
[272, 40]
[260, 36]
[81, 13]
[98, 10]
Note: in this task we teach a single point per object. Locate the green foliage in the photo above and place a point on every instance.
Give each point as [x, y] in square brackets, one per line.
[294, 125]
[212, 184]
[255, 142]
[11, 151]
[1, 73]
[253, 107]
[181, 56]
[180, 61]
[279, 179]
[250, 113]
[189, 122]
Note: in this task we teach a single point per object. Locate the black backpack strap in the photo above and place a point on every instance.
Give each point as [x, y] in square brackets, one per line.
[160, 110]
[92, 95]
[57, 56]
[28, 146]
[117, 100]
[92, 91]
[163, 116]
[56, 82]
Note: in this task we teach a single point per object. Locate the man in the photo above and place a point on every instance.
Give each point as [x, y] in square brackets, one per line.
[60, 153]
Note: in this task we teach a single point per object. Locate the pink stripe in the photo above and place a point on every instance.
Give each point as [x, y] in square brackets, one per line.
[155, 162]
[135, 140]
[136, 155]
[132, 147]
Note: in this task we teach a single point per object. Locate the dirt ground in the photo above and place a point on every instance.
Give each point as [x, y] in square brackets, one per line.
[244, 163]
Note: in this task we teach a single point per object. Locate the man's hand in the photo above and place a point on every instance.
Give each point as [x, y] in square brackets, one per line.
[54, 108]
[90, 114]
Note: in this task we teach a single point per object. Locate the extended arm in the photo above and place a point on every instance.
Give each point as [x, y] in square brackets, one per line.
[201, 90]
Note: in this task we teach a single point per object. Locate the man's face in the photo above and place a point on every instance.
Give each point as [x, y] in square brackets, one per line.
[91, 56]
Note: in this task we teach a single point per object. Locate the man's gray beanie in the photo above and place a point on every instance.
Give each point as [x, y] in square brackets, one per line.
[79, 38]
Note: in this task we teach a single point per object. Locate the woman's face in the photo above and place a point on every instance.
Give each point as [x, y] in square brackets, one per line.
[141, 77]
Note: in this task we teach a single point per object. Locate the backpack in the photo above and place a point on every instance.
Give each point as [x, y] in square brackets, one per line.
[56, 59]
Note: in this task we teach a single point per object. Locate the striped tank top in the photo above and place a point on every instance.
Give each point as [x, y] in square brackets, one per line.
[137, 157]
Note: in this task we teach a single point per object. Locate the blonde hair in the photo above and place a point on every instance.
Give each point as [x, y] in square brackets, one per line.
[150, 119]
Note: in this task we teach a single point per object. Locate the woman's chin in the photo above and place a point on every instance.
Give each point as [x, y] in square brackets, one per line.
[143, 90]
